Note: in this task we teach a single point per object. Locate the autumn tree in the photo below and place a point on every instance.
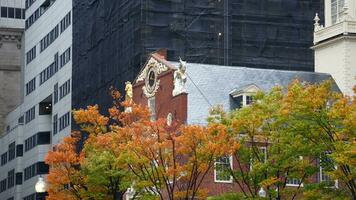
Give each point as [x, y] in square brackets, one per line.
[90, 156]
[326, 120]
[286, 136]
[127, 149]
[65, 178]
[174, 162]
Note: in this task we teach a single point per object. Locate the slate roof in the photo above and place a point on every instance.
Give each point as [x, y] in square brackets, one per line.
[210, 85]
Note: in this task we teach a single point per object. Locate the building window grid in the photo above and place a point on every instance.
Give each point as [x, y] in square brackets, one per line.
[11, 12]
[37, 14]
[3, 158]
[52, 69]
[56, 57]
[30, 115]
[47, 73]
[55, 124]
[64, 89]
[55, 93]
[30, 142]
[31, 55]
[49, 38]
[30, 172]
[3, 185]
[12, 151]
[65, 22]
[28, 3]
[11, 179]
[31, 86]
[55, 32]
[65, 57]
[64, 121]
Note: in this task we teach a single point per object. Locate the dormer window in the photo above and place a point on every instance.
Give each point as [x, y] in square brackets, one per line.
[242, 97]
[337, 7]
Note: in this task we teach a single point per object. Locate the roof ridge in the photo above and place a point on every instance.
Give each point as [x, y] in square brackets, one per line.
[253, 69]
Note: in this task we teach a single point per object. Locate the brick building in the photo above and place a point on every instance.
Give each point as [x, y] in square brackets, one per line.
[206, 86]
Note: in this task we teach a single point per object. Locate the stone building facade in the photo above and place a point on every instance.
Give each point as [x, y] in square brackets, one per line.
[11, 30]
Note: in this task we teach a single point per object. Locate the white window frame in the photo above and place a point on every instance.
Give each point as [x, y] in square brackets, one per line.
[296, 185]
[215, 172]
[265, 158]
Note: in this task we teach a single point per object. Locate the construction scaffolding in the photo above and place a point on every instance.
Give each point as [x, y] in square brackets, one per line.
[112, 38]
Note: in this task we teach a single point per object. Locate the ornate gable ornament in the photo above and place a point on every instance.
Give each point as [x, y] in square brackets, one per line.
[149, 74]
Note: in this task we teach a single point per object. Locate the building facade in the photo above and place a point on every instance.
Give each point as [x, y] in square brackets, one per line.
[43, 118]
[112, 39]
[335, 43]
[12, 16]
[158, 87]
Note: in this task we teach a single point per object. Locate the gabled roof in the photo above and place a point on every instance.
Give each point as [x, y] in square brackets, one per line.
[210, 85]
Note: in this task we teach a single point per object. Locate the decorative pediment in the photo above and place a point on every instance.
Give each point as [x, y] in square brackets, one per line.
[154, 66]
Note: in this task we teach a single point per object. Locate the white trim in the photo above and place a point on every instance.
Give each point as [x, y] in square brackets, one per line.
[223, 181]
[265, 159]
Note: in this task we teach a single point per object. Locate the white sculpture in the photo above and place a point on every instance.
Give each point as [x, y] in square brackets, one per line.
[180, 78]
[128, 95]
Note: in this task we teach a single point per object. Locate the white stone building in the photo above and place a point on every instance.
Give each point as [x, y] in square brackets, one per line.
[335, 43]
[44, 116]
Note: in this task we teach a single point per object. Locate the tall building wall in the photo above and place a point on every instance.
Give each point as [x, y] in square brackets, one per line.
[11, 30]
[43, 118]
[111, 39]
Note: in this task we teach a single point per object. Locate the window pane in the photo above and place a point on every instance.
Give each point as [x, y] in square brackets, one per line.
[18, 13]
[11, 12]
[3, 11]
[222, 169]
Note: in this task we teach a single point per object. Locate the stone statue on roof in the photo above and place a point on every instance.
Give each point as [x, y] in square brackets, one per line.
[180, 79]
[128, 95]
[128, 90]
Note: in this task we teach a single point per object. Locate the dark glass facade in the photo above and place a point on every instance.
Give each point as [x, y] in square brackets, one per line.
[112, 38]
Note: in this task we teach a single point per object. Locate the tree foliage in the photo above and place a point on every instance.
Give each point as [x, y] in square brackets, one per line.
[303, 128]
[127, 149]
